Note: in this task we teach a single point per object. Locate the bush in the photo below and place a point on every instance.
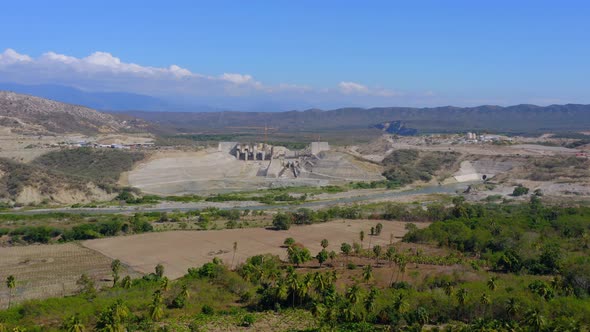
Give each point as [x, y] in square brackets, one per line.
[207, 310]
[248, 320]
[520, 190]
[289, 242]
[281, 221]
[407, 166]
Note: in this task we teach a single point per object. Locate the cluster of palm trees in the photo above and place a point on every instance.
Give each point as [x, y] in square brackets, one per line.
[531, 318]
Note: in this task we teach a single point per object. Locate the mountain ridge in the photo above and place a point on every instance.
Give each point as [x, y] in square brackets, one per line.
[28, 114]
[523, 118]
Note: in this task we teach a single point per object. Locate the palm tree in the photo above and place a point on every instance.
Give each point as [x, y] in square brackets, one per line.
[115, 268]
[370, 239]
[73, 324]
[399, 303]
[157, 307]
[362, 238]
[165, 284]
[449, 289]
[353, 294]
[492, 283]
[462, 300]
[512, 307]
[462, 296]
[293, 284]
[401, 263]
[485, 302]
[390, 254]
[322, 256]
[370, 300]
[111, 319]
[320, 282]
[234, 256]
[319, 311]
[332, 256]
[368, 273]
[556, 283]
[346, 249]
[304, 287]
[377, 252]
[11, 284]
[348, 312]
[534, 319]
[184, 292]
[159, 270]
[126, 282]
[422, 316]
[282, 290]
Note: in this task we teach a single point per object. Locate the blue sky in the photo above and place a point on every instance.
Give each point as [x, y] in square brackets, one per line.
[416, 53]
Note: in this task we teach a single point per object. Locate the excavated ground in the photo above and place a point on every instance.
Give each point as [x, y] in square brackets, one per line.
[177, 173]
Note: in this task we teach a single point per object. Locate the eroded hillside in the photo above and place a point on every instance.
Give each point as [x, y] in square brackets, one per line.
[26, 114]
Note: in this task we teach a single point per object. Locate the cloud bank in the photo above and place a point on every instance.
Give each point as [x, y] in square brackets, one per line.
[102, 71]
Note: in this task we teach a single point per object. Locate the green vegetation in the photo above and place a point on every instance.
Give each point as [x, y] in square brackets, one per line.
[97, 165]
[552, 168]
[276, 195]
[17, 176]
[520, 190]
[527, 238]
[80, 231]
[66, 169]
[284, 220]
[476, 267]
[406, 166]
[389, 184]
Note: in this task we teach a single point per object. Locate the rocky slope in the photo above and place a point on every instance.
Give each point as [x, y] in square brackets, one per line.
[26, 114]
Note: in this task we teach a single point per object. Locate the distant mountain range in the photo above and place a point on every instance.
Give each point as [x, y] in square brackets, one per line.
[104, 101]
[518, 119]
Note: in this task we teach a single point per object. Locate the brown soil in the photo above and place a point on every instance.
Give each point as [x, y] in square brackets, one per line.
[43, 271]
[179, 250]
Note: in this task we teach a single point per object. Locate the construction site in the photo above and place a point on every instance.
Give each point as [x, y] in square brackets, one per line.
[248, 166]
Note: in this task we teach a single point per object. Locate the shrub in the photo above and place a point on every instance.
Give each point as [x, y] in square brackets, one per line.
[520, 190]
[281, 221]
[207, 310]
[248, 320]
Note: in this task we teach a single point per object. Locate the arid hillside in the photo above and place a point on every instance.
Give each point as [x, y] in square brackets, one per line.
[26, 114]
[65, 177]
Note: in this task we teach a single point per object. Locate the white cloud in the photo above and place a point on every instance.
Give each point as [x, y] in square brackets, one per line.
[179, 72]
[236, 78]
[10, 57]
[352, 87]
[52, 56]
[102, 71]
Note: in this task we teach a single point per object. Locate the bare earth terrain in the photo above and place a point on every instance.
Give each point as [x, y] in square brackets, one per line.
[180, 172]
[179, 250]
[43, 271]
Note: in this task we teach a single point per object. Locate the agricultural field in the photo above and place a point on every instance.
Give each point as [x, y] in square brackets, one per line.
[179, 250]
[43, 271]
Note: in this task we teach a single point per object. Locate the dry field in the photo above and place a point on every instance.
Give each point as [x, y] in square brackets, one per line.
[179, 250]
[43, 271]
